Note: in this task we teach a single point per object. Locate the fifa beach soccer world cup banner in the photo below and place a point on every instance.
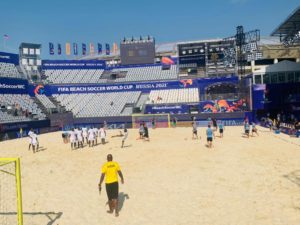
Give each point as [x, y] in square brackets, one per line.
[101, 88]
[73, 64]
[13, 86]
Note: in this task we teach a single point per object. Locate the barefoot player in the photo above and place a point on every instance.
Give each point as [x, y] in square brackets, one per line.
[110, 171]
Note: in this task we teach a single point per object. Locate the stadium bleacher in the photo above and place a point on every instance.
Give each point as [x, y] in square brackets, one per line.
[59, 76]
[174, 96]
[9, 70]
[17, 107]
[100, 104]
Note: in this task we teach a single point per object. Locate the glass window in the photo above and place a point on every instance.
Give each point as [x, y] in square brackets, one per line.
[266, 78]
[257, 79]
[291, 77]
[281, 77]
[274, 78]
[297, 77]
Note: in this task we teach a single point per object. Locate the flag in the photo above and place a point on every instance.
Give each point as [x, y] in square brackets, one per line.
[51, 48]
[75, 49]
[59, 49]
[99, 48]
[83, 49]
[92, 50]
[115, 48]
[107, 49]
[6, 37]
[68, 48]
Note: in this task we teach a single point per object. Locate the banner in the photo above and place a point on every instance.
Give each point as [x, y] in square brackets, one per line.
[99, 48]
[73, 64]
[59, 49]
[68, 48]
[83, 49]
[92, 50]
[9, 58]
[75, 49]
[13, 86]
[115, 48]
[107, 49]
[51, 48]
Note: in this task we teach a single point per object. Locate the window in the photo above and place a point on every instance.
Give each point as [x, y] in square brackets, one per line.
[291, 77]
[274, 78]
[257, 79]
[281, 77]
[297, 77]
[266, 79]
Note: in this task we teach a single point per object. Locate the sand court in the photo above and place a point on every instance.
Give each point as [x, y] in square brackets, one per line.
[170, 180]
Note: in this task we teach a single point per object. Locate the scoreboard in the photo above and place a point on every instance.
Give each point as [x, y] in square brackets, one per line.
[137, 52]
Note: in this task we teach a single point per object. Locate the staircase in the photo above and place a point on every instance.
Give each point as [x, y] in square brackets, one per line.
[141, 102]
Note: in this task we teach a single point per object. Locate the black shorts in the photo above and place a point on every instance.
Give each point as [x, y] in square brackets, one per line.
[221, 131]
[146, 135]
[209, 139]
[112, 190]
[247, 131]
[253, 130]
[195, 132]
[141, 133]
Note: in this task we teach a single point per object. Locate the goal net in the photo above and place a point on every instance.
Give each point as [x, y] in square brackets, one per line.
[10, 192]
[157, 120]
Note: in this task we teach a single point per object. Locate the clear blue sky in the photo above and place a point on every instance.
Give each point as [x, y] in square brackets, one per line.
[108, 21]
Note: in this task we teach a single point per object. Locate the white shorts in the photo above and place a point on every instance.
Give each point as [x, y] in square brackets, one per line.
[34, 142]
[72, 140]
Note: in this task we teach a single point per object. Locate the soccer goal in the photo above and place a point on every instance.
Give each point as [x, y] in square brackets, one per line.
[159, 120]
[10, 192]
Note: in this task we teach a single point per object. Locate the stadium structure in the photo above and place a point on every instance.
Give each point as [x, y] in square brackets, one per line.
[229, 79]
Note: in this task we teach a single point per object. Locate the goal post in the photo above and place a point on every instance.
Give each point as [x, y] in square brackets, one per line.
[11, 211]
[159, 120]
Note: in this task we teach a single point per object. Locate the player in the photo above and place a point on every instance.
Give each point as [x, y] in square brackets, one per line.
[141, 131]
[247, 128]
[85, 134]
[221, 128]
[79, 138]
[34, 142]
[110, 171]
[102, 135]
[210, 134]
[72, 135]
[174, 122]
[29, 135]
[96, 132]
[125, 137]
[146, 132]
[91, 137]
[214, 122]
[153, 122]
[254, 129]
[195, 132]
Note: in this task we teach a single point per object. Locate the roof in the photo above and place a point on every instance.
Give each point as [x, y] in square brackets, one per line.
[290, 25]
[283, 66]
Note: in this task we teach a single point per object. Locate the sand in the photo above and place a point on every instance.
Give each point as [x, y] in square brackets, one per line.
[171, 180]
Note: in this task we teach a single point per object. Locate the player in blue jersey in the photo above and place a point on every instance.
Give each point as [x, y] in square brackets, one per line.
[221, 128]
[210, 134]
[247, 128]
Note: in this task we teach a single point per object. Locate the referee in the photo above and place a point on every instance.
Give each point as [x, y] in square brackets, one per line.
[110, 171]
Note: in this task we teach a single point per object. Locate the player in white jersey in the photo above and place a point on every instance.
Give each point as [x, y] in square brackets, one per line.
[125, 137]
[91, 137]
[85, 134]
[72, 135]
[34, 142]
[79, 138]
[30, 133]
[102, 134]
[96, 131]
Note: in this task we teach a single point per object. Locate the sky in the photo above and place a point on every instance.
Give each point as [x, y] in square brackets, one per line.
[108, 21]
